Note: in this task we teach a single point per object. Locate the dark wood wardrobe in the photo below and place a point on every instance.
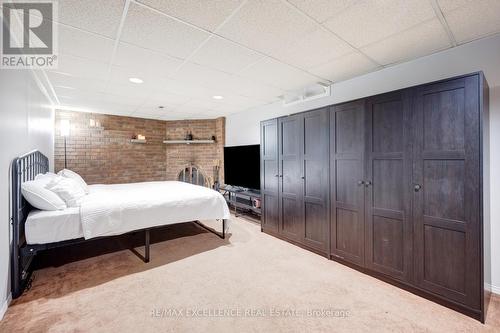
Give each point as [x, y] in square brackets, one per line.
[294, 178]
[390, 185]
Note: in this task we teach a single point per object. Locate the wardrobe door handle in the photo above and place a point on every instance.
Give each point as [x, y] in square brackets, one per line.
[368, 183]
[417, 187]
[276, 175]
[303, 177]
[361, 182]
[281, 176]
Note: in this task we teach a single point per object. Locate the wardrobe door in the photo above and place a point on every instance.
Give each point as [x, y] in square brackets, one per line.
[269, 174]
[347, 127]
[315, 177]
[446, 190]
[290, 137]
[388, 185]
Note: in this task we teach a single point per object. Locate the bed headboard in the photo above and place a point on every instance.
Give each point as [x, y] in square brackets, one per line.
[24, 168]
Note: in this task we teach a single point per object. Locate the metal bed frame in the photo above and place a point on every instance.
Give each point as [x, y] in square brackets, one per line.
[25, 168]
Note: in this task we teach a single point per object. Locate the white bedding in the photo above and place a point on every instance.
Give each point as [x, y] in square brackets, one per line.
[43, 226]
[116, 209]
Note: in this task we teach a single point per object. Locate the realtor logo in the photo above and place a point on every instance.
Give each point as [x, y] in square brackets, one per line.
[28, 35]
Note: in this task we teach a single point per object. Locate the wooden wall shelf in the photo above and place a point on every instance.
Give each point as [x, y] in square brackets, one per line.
[171, 142]
[138, 141]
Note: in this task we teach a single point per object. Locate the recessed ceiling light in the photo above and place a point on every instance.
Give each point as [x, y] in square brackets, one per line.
[135, 80]
[217, 97]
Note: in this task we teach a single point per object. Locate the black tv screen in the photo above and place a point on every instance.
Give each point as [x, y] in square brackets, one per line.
[242, 166]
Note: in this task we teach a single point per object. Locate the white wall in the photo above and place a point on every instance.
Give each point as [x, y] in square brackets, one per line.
[243, 128]
[26, 123]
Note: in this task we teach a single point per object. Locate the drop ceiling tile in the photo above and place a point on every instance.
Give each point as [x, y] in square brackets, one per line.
[121, 76]
[194, 73]
[95, 98]
[201, 81]
[145, 61]
[267, 26]
[175, 116]
[193, 107]
[66, 83]
[421, 40]
[162, 97]
[102, 17]
[128, 90]
[97, 106]
[449, 5]
[321, 10]
[225, 109]
[81, 68]
[186, 89]
[370, 21]
[474, 19]
[236, 101]
[251, 88]
[314, 48]
[225, 56]
[277, 74]
[152, 111]
[146, 28]
[346, 67]
[207, 14]
[82, 44]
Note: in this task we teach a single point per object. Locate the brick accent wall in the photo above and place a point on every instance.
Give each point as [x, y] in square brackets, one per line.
[205, 156]
[99, 147]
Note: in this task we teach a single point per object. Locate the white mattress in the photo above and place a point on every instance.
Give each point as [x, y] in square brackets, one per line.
[44, 227]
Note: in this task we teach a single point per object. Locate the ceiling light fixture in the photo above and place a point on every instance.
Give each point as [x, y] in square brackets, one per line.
[217, 97]
[135, 80]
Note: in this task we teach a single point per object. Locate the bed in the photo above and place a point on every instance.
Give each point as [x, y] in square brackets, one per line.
[107, 210]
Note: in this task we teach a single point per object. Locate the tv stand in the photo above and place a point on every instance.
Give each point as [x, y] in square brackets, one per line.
[245, 200]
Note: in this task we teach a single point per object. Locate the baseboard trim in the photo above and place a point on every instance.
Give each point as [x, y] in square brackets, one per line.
[493, 289]
[5, 305]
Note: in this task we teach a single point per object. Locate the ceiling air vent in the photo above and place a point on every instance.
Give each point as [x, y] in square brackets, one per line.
[309, 93]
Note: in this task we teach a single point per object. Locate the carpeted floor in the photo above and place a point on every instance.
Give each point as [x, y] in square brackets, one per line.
[250, 282]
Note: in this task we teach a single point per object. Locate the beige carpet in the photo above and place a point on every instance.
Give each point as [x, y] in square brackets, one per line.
[250, 282]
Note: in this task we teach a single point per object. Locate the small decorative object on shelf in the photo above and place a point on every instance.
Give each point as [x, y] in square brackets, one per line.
[139, 139]
[189, 136]
[214, 138]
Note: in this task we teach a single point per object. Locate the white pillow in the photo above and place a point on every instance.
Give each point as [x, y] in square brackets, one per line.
[73, 175]
[67, 189]
[46, 177]
[38, 196]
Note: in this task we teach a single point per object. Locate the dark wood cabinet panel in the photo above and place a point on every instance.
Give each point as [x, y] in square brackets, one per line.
[446, 208]
[391, 185]
[388, 224]
[269, 177]
[346, 178]
[291, 171]
[315, 158]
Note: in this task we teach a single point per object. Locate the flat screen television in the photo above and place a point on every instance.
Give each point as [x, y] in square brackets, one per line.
[242, 166]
